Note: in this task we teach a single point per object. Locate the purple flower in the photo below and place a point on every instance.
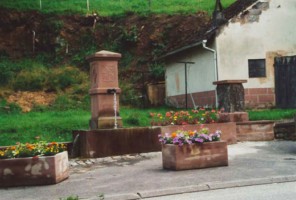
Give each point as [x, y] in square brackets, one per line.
[199, 140]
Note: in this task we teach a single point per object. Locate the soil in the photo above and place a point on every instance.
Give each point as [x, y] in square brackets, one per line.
[139, 35]
[27, 100]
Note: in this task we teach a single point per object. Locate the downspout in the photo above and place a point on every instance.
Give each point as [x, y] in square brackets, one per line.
[215, 65]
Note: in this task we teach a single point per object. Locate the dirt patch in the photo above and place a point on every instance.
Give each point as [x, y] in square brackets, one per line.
[27, 100]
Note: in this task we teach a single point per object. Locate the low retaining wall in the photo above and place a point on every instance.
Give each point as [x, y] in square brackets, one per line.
[228, 130]
[255, 131]
[110, 142]
[285, 131]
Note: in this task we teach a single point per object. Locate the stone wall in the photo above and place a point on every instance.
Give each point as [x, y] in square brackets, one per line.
[259, 97]
[254, 98]
[285, 131]
[255, 131]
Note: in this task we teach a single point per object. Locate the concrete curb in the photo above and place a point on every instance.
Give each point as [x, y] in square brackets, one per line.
[200, 188]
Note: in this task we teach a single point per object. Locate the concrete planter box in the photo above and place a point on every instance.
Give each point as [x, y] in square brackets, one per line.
[194, 156]
[228, 130]
[43, 170]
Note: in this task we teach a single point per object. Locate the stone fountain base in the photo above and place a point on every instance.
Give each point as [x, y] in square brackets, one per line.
[110, 142]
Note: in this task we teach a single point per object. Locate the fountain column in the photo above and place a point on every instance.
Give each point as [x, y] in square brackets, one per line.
[104, 85]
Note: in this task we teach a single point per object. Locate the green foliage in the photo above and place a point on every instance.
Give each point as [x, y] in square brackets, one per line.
[9, 108]
[30, 80]
[62, 78]
[88, 47]
[131, 96]
[130, 35]
[157, 71]
[9, 69]
[133, 119]
[116, 7]
[70, 198]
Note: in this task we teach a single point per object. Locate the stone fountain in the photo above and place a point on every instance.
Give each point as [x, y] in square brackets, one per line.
[106, 136]
[104, 87]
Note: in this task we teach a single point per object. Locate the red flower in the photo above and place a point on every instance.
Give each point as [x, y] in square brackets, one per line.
[168, 114]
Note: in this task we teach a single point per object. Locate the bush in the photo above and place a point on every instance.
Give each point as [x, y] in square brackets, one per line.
[62, 78]
[131, 96]
[133, 119]
[30, 80]
[9, 108]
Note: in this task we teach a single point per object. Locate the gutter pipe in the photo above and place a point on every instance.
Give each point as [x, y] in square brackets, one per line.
[204, 42]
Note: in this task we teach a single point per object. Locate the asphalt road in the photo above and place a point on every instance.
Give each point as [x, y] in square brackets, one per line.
[276, 191]
[142, 176]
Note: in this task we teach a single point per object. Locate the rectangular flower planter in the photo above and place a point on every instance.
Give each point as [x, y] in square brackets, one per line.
[228, 130]
[42, 170]
[194, 156]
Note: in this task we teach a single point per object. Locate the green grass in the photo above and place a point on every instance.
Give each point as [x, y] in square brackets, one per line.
[273, 114]
[115, 7]
[58, 125]
[49, 126]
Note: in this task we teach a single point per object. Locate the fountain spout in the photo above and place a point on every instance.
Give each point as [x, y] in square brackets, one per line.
[111, 91]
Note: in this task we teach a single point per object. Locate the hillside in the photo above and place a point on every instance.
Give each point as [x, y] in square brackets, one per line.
[55, 40]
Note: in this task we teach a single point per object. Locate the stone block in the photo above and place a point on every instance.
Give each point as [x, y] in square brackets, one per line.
[255, 131]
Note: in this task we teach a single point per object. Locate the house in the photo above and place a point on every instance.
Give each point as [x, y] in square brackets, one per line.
[240, 45]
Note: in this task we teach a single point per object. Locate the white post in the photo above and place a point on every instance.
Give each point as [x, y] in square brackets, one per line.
[40, 4]
[87, 5]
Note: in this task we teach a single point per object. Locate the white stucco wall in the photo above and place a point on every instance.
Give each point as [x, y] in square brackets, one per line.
[274, 34]
[199, 75]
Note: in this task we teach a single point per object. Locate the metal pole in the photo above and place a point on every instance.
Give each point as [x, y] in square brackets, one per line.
[185, 69]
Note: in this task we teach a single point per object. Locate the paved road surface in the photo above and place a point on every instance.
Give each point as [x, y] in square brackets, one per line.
[276, 191]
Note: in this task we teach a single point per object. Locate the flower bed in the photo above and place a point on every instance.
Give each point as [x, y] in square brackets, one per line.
[193, 150]
[193, 120]
[200, 116]
[33, 164]
[40, 148]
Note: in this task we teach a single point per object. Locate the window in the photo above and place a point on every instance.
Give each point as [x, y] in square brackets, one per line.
[257, 68]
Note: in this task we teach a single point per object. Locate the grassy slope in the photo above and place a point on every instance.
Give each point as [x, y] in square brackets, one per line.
[115, 7]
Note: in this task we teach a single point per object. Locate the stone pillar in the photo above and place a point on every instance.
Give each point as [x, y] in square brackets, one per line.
[104, 83]
[231, 95]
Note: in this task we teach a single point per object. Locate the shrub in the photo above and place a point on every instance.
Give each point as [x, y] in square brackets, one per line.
[30, 80]
[133, 119]
[9, 108]
[62, 78]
